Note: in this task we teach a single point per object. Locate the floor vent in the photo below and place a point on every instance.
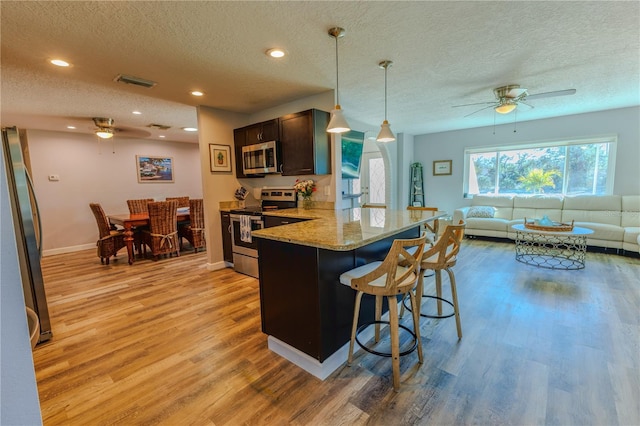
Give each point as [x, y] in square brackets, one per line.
[137, 81]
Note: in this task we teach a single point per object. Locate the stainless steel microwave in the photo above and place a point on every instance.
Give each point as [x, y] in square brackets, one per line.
[260, 158]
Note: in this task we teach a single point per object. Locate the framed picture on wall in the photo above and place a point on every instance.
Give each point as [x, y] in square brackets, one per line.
[220, 158]
[441, 167]
[154, 169]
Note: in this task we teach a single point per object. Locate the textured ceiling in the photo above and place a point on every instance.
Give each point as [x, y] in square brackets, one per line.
[444, 54]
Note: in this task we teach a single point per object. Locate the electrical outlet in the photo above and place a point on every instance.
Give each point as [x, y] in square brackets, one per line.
[327, 190]
[54, 178]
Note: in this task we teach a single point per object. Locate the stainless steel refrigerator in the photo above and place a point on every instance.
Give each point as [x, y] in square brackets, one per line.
[26, 220]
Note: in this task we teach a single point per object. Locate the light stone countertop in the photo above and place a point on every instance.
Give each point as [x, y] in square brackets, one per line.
[343, 230]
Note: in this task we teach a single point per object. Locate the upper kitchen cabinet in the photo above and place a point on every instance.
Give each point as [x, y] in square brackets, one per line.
[305, 143]
[262, 132]
[253, 134]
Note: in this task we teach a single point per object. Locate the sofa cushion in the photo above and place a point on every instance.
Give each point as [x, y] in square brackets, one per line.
[602, 231]
[493, 224]
[630, 211]
[537, 206]
[603, 209]
[502, 203]
[632, 234]
[481, 211]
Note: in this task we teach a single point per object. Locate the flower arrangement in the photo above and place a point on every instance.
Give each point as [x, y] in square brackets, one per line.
[305, 188]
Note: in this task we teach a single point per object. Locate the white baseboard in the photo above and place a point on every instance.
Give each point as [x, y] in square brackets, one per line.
[69, 249]
[321, 370]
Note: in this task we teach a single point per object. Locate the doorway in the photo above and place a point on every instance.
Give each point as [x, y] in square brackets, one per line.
[372, 178]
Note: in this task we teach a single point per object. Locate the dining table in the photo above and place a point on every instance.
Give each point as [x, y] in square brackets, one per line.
[130, 220]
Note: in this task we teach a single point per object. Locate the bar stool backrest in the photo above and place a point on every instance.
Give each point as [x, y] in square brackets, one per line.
[443, 253]
[389, 278]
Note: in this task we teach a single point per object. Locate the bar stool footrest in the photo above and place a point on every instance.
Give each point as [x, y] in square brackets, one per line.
[413, 347]
[404, 302]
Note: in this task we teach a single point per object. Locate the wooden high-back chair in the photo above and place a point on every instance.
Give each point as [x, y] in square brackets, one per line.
[162, 236]
[194, 230]
[110, 241]
[139, 206]
[182, 201]
[431, 228]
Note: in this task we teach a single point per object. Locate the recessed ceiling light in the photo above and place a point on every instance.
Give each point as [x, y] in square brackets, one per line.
[189, 129]
[276, 53]
[197, 93]
[71, 127]
[60, 63]
[136, 112]
[161, 136]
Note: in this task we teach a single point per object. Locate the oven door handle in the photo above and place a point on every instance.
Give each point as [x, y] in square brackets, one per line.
[252, 218]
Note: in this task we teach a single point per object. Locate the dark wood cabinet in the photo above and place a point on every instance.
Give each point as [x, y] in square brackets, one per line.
[305, 143]
[262, 132]
[225, 220]
[271, 221]
[253, 134]
[239, 140]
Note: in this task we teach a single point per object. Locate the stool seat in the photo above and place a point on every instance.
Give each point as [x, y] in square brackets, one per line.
[397, 274]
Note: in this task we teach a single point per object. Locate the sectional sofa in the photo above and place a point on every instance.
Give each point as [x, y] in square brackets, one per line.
[615, 219]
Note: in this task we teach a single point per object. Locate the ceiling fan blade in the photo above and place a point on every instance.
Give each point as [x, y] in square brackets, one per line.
[479, 103]
[481, 109]
[516, 93]
[552, 94]
[524, 103]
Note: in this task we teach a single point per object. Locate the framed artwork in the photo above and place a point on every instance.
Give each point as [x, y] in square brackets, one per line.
[154, 169]
[220, 158]
[441, 167]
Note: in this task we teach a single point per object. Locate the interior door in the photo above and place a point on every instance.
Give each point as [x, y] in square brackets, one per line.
[372, 179]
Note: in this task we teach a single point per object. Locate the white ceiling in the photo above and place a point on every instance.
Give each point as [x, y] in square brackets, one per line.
[445, 53]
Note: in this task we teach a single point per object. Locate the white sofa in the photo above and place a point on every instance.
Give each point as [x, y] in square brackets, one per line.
[615, 219]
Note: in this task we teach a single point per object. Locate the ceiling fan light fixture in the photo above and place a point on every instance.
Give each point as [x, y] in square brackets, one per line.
[104, 133]
[505, 108]
[385, 135]
[337, 124]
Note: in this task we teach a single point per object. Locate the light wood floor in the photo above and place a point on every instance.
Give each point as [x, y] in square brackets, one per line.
[172, 343]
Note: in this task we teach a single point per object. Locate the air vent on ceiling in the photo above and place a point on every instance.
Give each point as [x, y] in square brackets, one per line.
[158, 126]
[137, 81]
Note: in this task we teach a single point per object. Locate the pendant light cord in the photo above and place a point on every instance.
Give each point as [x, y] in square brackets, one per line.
[385, 92]
[337, 77]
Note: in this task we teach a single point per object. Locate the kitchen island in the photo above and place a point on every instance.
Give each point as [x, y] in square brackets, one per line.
[305, 311]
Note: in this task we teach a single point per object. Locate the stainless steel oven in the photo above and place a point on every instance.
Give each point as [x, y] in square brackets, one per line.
[245, 253]
[245, 250]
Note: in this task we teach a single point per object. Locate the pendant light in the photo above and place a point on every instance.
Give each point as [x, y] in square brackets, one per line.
[385, 135]
[337, 124]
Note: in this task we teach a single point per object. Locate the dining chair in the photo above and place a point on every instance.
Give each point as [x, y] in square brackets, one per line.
[193, 231]
[162, 235]
[398, 274]
[139, 206]
[110, 241]
[182, 201]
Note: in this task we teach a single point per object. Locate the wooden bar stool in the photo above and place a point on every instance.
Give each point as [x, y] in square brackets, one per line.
[443, 256]
[388, 279]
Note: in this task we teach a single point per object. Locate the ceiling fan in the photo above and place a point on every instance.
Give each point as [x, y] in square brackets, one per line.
[105, 129]
[509, 97]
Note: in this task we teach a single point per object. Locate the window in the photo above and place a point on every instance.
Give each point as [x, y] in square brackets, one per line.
[562, 167]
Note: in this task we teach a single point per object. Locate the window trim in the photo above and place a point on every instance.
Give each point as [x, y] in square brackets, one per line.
[611, 139]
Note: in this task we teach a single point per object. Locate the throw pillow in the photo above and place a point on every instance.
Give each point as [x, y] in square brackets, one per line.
[481, 211]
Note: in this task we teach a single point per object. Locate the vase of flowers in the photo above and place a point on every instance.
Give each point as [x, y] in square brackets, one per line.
[305, 189]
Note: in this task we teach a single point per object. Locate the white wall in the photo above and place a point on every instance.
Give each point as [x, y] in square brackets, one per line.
[19, 404]
[91, 172]
[446, 192]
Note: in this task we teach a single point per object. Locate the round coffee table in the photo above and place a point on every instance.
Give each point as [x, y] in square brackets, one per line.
[552, 249]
